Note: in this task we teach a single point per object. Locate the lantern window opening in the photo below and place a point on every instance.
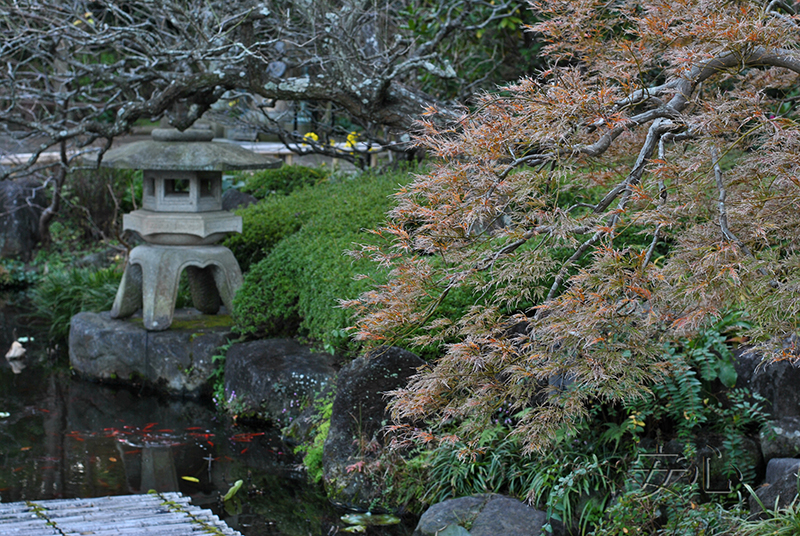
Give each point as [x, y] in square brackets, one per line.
[206, 188]
[176, 187]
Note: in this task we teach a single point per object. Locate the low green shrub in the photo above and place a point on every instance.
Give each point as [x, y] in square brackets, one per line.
[265, 224]
[297, 285]
[293, 251]
[270, 221]
[281, 181]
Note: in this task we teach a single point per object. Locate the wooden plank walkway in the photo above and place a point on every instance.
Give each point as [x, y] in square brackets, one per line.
[162, 514]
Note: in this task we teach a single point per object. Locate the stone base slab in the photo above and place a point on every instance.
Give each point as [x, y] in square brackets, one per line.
[177, 361]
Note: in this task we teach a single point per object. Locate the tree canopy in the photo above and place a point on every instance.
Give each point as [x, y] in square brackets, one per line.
[86, 70]
[79, 73]
[642, 185]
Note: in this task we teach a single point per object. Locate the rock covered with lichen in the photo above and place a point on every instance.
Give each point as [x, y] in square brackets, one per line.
[177, 361]
[274, 379]
[485, 514]
[358, 417]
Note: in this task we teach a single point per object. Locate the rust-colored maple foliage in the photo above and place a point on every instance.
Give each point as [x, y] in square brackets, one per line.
[642, 186]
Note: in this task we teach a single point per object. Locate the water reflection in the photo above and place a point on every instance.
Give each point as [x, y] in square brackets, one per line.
[17, 365]
[65, 438]
[16, 357]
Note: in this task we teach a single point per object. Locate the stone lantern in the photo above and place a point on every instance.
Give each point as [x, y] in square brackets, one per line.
[181, 221]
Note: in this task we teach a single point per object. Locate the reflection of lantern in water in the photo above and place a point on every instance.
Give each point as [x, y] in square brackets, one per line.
[155, 467]
[181, 220]
[158, 469]
[16, 357]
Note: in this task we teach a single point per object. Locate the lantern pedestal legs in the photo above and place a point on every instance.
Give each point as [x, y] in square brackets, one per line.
[151, 278]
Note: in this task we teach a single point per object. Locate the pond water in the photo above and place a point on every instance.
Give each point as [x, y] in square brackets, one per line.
[63, 437]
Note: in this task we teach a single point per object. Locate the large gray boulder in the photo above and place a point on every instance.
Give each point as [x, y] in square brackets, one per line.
[274, 378]
[21, 203]
[482, 515]
[177, 361]
[781, 438]
[780, 488]
[233, 199]
[359, 414]
[776, 382]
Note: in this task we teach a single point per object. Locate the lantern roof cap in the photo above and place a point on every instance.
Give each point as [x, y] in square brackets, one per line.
[190, 150]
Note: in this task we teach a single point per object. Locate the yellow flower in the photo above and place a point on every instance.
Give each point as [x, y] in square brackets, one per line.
[311, 136]
[635, 419]
[88, 16]
[352, 139]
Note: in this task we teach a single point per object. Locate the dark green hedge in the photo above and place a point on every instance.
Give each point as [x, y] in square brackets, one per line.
[294, 248]
[281, 181]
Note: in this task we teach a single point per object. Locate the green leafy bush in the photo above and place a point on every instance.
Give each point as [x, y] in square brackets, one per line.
[270, 221]
[297, 285]
[14, 274]
[292, 250]
[281, 181]
[264, 224]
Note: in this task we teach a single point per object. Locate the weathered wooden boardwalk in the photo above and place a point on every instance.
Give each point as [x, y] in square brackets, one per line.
[163, 514]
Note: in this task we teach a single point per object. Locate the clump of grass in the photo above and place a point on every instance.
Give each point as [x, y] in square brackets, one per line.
[61, 294]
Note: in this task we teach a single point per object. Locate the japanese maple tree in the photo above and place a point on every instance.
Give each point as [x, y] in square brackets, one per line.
[642, 186]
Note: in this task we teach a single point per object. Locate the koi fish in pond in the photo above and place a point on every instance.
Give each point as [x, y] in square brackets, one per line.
[246, 437]
[201, 436]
